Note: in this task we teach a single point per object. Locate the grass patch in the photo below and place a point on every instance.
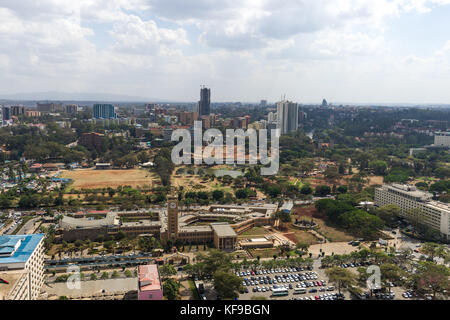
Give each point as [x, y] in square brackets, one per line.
[193, 290]
[257, 231]
[264, 253]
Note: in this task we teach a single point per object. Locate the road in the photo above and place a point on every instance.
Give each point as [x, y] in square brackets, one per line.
[29, 226]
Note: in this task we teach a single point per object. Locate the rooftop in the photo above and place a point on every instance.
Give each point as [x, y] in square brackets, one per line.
[18, 248]
[223, 229]
[411, 190]
[195, 229]
[149, 277]
[72, 223]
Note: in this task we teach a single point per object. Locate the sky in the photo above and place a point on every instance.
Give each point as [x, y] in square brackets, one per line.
[355, 51]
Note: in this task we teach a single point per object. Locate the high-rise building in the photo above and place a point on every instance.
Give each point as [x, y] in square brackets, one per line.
[17, 111]
[204, 105]
[49, 107]
[324, 103]
[272, 117]
[6, 113]
[22, 266]
[104, 111]
[71, 108]
[287, 116]
[263, 103]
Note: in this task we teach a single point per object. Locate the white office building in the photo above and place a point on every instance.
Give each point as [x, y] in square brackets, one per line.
[442, 139]
[287, 116]
[433, 214]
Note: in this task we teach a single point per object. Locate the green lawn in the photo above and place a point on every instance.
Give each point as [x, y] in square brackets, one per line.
[257, 231]
[193, 289]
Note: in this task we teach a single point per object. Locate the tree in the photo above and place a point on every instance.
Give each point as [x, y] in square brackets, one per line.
[342, 189]
[170, 289]
[213, 261]
[434, 250]
[390, 273]
[303, 246]
[388, 213]
[227, 284]
[167, 270]
[343, 278]
[217, 195]
[432, 277]
[378, 167]
[306, 190]
[322, 191]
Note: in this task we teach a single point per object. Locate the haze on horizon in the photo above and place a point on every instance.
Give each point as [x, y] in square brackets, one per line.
[384, 51]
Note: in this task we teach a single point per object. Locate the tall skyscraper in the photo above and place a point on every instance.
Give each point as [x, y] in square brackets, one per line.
[6, 113]
[71, 108]
[104, 111]
[204, 105]
[17, 110]
[287, 116]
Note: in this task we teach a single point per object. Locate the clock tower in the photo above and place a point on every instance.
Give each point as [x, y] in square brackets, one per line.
[172, 217]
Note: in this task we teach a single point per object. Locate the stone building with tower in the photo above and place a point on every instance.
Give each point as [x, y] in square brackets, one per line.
[220, 233]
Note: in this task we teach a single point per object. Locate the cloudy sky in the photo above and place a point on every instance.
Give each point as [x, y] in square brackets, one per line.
[245, 50]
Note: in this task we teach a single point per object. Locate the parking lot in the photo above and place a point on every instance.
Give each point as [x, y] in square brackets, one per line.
[286, 284]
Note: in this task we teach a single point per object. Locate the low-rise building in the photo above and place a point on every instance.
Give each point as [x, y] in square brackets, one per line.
[149, 283]
[224, 236]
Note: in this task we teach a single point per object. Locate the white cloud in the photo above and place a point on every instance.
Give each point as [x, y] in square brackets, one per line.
[244, 49]
[136, 36]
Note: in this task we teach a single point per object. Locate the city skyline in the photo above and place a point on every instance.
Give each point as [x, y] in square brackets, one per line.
[344, 50]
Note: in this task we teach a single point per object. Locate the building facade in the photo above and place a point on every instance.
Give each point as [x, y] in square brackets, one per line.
[149, 283]
[71, 108]
[172, 217]
[6, 113]
[204, 105]
[442, 139]
[416, 205]
[22, 262]
[49, 107]
[104, 111]
[92, 140]
[17, 111]
[287, 117]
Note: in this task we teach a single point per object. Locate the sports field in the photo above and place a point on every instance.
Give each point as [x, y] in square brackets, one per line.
[91, 178]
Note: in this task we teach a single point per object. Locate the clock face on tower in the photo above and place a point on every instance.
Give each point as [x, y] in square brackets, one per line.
[173, 205]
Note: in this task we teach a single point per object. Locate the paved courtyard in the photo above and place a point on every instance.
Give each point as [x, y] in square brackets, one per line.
[91, 288]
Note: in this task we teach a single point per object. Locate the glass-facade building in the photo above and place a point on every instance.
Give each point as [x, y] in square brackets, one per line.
[104, 111]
